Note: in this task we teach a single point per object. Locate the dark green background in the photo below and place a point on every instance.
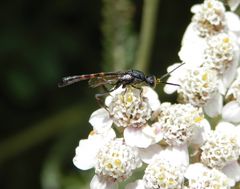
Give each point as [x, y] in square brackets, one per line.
[40, 42]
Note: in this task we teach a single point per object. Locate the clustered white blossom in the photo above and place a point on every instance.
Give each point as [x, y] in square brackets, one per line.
[194, 144]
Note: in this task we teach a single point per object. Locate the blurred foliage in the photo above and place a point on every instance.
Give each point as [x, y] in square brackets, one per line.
[119, 37]
[42, 41]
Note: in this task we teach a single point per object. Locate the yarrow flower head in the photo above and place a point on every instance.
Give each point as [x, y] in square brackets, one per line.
[222, 147]
[116, 160]
[209, 18]
[131, 109]
[219, 53]
[201, 177]
[198, 86]
[163, 174]
[112, 159]
[164, 170]
[178, 122]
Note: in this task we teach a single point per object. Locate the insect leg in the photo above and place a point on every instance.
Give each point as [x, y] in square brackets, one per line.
[100, 97]
[100, 100]
[139, 88]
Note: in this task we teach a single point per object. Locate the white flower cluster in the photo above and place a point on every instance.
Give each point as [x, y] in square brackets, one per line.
[210, 51]
[134, 128]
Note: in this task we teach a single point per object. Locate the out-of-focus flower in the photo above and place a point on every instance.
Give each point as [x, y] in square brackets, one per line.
[131, 109]
[112, 159]
[200, 176]
[221, 150]
[178, 123]
[164, 171]
[233, 4]
[231, 110]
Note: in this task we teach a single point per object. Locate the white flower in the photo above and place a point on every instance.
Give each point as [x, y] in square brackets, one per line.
[222, 149]
[130, 109]
[231, 111]
[178, 123]
[88, 148]
[233, 4]
[201, 177]
[116, 160]
[164, 171]
[199, 87]
[234, 90]
[220, 52]
[112, 159]
[175, 76]
[209, 17]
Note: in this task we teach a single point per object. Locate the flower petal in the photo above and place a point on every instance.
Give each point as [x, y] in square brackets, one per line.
[230, 73]
[194, 170]
[138, 184]
[231, 112]
[232, 171]
[152, 97]
[88, 148]
[181, 152]
[225, 127]
[193, 46]
[233, 4]
[201, 132]
[98, 182]
[100, 120]
[86, 154]
[214, 105]
[136, 137]
[147, 154]
[174, 77]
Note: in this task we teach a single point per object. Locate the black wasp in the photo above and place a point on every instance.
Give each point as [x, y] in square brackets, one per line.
[132, 78]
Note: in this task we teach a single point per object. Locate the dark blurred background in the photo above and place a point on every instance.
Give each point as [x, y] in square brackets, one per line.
[42, 41]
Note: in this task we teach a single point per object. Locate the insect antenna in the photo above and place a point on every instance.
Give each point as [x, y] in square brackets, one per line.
[159, 80]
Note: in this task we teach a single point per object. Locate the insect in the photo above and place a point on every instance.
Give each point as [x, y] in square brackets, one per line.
[132, 78]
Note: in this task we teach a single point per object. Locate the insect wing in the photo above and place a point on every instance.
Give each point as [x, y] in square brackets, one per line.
[104, 80]
[73, 79]
[95, 79]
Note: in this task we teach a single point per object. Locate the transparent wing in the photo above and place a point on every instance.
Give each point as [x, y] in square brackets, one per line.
[99, 81]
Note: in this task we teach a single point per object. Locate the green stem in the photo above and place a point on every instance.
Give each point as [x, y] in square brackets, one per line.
[148, 27]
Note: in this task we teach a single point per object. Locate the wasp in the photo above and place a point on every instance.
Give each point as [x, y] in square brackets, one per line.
[132, 78]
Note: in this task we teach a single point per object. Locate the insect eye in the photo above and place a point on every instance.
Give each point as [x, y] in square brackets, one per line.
[151, 80]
